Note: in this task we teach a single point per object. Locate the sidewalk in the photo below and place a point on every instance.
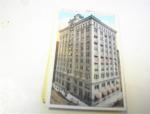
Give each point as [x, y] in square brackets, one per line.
[108, 102]
[111, 100]
[69, 97]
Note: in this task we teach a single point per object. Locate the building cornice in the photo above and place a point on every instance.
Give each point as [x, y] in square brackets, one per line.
[89, 18]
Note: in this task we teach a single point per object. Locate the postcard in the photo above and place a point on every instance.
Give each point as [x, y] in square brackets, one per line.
[86, 66]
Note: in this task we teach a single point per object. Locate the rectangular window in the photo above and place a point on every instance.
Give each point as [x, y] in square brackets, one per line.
[82, 30]
[96, 76]
[75, 89]
[87, 61]
[87, 86]
[87, 68]
[112, 74]
[87, 54]
[108, 83]
[95, 43]
[102, 69]
[107, 74]
[112, 81]
[103, 84]
[96, 86]
[101, 32]
[95, 56]
[96, 69]
[95, 36]
[81, 67]
[87, 29]
[80, 83]
[81, 60]
[95, 30]
[102, 75]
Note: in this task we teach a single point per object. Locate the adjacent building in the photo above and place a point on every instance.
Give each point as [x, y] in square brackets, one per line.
[88, 64]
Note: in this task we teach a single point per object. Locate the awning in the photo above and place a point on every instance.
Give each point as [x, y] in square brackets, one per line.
[104, 92]
[98, 95]
[109, 89]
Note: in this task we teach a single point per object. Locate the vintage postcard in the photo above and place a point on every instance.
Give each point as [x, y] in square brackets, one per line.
[87, 66]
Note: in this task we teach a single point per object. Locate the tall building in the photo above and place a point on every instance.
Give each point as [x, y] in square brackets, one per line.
[88, 61]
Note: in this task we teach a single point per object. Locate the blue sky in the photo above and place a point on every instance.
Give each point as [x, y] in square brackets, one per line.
[107, 19]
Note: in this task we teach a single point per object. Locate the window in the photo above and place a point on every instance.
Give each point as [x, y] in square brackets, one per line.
[95, 56]
[87, 61]
[87, 47]
[81, 47]
[107, 68]
[114, 38]
[96, 76]
[112, 74]
[96, 63]
[87, 54]
[96, 69]
[95, 43]
[80, 83]
[87, 86]
[75, 81]
[87, 68]
[81, 54]
[102, 50]
[70, 65]
[95, 36]
[101, 45]
[107, 74]
[81, 67]
[87, 76]
[82, 30]
[111, 68]
[62, 82]
[87, 29]
[87, 42]
[95, 30]
[117, 82]
[112, 81]
[106, 46]
[102, 75]
[75, 89]
[88, 37]
[102, 63]
[116, 73]
[102, 69]
[95, 48]
[101, 32]
[96, 86]
[103, 84]
[80, 92]
[101, 38]
[108, 83]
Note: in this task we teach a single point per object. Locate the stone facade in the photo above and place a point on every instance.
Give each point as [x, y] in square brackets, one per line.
[88, 64]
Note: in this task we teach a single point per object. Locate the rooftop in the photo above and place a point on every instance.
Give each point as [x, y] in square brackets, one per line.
[81, 19]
